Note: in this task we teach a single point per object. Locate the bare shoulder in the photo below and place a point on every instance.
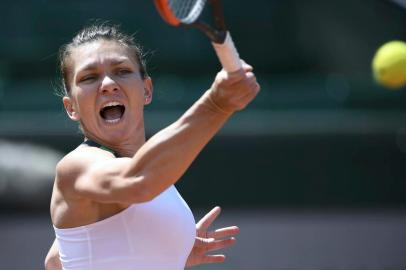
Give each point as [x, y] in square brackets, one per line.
[76, 163]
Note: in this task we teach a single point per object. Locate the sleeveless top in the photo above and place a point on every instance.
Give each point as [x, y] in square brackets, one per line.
[155, 235]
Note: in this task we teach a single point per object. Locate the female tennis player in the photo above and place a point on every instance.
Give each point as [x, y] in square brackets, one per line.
[114, 204]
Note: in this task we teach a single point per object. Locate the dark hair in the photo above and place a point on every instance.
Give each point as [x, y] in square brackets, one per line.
[98, 31]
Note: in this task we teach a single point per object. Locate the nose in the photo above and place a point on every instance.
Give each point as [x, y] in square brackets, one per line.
[108, 85]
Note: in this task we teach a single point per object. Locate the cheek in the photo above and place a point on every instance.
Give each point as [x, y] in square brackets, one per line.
[135, 89]
[85, 101]
[86, 90]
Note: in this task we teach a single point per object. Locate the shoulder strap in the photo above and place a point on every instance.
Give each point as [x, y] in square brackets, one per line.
[95, 144]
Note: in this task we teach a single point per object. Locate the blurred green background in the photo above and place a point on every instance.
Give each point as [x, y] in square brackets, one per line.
[320, 135]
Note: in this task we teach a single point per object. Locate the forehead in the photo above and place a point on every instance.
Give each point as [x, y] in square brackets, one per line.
[99, 52]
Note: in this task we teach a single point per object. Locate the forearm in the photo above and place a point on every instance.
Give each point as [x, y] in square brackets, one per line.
[164, 158]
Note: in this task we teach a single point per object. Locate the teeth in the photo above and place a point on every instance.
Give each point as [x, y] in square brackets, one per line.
[112, 103]
[113, 121]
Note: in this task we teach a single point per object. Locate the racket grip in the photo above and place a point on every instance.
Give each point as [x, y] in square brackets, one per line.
[227, 54]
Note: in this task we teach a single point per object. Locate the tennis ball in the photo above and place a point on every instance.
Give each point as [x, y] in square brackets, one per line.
[389, 64]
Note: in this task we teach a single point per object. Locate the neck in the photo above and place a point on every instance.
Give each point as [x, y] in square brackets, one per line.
[126, 148]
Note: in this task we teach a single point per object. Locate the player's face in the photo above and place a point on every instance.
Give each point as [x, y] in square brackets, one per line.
[107, 91]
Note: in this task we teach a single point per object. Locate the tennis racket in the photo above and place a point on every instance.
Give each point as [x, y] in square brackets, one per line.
[188, 13]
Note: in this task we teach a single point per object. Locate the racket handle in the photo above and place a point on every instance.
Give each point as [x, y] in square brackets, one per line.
[227, 54]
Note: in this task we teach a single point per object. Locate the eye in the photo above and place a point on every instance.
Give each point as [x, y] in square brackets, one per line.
[88, 78]
[123, 71]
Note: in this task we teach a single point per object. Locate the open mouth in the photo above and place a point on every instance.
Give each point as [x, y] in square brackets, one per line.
[112, 112]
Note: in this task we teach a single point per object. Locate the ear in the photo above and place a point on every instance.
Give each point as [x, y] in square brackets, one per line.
[70, 109]
[148, 90]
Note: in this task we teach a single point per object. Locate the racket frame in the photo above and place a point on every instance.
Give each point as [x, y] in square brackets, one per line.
[219, 36]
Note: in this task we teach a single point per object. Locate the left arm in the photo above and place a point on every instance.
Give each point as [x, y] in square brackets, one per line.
[52, 261]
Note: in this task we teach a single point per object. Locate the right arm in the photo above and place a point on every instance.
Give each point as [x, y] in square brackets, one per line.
[164, 158]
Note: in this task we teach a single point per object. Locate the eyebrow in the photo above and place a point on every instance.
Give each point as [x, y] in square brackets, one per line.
[92, 66]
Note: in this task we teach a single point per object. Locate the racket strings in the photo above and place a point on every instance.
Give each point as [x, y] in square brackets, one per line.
[187, 11]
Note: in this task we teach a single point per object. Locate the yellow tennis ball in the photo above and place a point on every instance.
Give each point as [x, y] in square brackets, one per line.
[389, 64]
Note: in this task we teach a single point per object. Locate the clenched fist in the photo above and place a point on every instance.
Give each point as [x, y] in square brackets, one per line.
[232, 92]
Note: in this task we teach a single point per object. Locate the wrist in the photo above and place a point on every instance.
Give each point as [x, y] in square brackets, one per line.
[210, 101]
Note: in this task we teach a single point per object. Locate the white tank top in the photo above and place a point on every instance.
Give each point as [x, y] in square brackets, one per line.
[156, 235]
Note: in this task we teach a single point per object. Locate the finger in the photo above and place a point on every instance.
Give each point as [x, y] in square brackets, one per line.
[237, 75]
[221, 244]
[251, 81]
[245, 64]
[211, 244]
[250, 76]
[250, 95]
[254, 85]
[234, 77]
[208, 219]
[203, 242]
[246, 67]
[213, 259]
[257, 87]
[223, 232]
[246, 78]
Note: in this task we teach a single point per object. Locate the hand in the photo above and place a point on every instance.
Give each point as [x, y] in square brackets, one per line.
[207, 241]
[232, 92]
